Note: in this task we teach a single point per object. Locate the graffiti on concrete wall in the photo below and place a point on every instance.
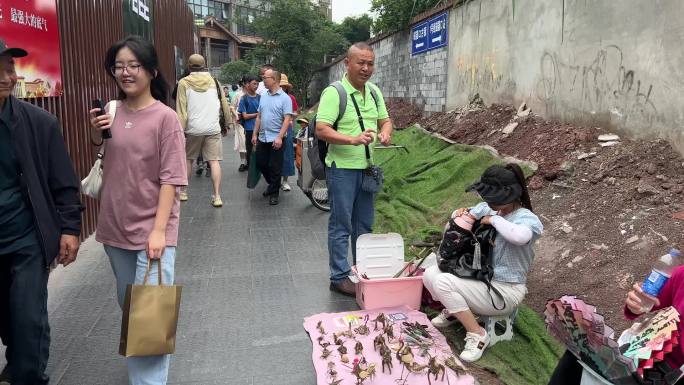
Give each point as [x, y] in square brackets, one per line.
[475, 77]
[602, 84]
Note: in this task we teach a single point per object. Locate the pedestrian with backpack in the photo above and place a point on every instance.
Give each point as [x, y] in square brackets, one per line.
[205, 116]
[351, 117]
[498, 287]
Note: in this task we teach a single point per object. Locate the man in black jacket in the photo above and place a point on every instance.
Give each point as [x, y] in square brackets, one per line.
[40, 220]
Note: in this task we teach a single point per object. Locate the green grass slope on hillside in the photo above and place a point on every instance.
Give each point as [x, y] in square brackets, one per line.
[422, 187]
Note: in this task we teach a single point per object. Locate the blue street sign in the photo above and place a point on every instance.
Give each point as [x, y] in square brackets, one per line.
[429, 34]
[437, 31]
[419, 37]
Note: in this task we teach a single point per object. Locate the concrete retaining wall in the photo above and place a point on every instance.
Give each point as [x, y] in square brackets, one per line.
[618, 64]
[421, 80]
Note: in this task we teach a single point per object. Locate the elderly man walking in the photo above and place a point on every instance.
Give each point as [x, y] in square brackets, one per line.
[352, 210]
[199, 106]
[272, 121]
[40, 220]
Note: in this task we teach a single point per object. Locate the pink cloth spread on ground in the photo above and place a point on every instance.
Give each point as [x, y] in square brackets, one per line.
[339, 322]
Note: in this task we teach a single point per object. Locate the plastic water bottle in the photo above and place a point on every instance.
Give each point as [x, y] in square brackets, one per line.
[660, 273]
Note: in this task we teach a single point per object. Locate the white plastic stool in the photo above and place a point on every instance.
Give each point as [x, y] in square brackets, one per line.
[505, 321]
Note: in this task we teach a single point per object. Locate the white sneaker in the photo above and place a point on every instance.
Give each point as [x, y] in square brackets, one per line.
[286, 186]
[442, 320]
[475, 345]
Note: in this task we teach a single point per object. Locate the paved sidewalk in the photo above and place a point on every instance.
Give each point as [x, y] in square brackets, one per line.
[250, 273]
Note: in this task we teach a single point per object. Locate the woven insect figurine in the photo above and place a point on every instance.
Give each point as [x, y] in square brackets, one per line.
[319, 326]
[381, 318]
[363, 329]
[435, 368]
[343, 353]
[358, 348]
[386, 355]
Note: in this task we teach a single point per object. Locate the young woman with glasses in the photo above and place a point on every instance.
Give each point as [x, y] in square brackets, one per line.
[144, 169]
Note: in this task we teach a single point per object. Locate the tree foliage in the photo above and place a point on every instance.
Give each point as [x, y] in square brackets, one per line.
[232, 72]
[356, 29]
[394, 15]
[296, 37]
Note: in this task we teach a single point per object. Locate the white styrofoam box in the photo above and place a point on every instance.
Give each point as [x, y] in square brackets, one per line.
[379, 255]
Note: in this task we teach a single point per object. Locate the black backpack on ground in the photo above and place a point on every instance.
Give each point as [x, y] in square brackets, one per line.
[469, 254]
[319, 148]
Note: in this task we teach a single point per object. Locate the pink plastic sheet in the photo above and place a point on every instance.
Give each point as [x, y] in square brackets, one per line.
[339, 322]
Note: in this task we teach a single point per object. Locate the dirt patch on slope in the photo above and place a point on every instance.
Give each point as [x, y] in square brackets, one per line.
[607, 211]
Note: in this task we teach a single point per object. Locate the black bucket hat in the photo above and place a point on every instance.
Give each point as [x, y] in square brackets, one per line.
[498, 186]
[13, 52]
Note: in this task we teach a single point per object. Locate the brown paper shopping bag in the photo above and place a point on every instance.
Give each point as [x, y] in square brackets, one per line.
[150, 317]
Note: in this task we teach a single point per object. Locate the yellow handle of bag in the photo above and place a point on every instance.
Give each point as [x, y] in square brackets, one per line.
[149, 267]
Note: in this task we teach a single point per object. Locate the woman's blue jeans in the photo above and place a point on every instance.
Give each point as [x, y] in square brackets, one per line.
[129, 267]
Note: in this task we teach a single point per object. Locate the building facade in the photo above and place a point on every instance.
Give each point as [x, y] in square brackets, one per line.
[226, 29]
[325, 7]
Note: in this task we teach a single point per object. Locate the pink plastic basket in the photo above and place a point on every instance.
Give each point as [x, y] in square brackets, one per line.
[389, 292]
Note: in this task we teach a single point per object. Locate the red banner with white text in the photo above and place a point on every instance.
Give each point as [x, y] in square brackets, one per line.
[33, 26]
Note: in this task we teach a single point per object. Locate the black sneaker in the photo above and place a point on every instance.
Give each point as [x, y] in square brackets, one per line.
[199, 171]
[243, 167]
[273, 200]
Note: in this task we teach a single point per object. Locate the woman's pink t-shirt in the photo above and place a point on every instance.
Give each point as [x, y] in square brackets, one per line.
[146, 151]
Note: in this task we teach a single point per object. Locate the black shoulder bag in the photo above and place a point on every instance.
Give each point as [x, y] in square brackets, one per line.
[468, 254]
[373, 176]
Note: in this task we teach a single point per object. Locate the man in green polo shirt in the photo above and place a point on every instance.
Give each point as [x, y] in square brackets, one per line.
[351, 209]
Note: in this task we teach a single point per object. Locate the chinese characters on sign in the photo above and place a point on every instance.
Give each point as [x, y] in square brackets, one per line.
[33, 26]
[138, 18]
[29, 19]
[429, 35]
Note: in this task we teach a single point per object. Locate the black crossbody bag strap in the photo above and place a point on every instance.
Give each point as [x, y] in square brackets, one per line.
[363, 127]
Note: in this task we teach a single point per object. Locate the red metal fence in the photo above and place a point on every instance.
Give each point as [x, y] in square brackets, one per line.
[87, 29]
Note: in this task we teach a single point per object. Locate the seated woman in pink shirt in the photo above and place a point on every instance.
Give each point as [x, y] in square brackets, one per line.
[144, 167]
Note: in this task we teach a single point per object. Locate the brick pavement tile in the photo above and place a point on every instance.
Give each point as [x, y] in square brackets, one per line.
[110, 371]
[290, 358]
[307, 246]
[304, 378]
[216, 339]
[201, 368]
[99, 347]
[73, 326]
[60, 356]
[107, 325]
[219, 381]
[76, 305]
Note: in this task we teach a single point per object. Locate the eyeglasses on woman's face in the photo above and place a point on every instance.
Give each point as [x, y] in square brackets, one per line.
[132, 69]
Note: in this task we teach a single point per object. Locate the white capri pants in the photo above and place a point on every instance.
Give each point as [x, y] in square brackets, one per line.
[459, 294]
